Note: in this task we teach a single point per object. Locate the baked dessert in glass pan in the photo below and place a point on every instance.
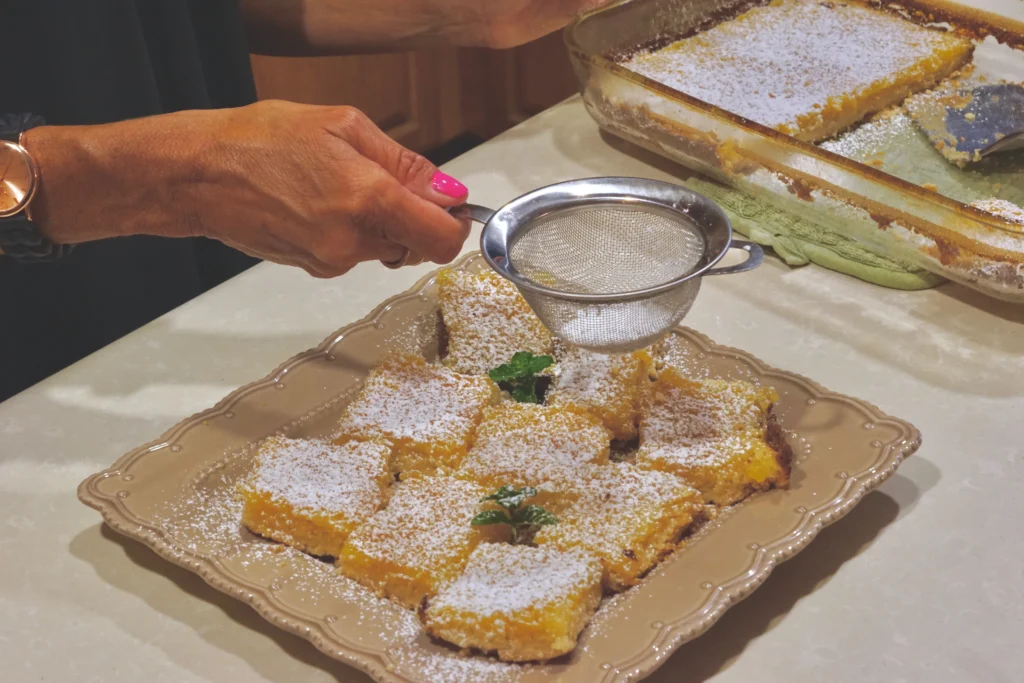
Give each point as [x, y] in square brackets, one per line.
[810, 105]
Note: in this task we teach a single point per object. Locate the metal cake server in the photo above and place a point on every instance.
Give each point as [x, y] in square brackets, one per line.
[969, 123]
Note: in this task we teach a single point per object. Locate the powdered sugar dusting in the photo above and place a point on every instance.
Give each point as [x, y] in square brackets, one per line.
[318, 476]
[506, 579]
[488, 321]
[1002, 208]
[698, 424]
[425, 525]
[677, 353]
[520, 444]
[587, 376]
[617, 501]
[454, 667]
[609, 386]
[407, 398]
[790, 64]
[205, 519]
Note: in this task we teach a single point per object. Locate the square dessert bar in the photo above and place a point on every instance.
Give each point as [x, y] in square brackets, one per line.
[521, 602]
[519, 444]
[610, 387]
[419, 542]
[427, 412]
[312, 495]
[807, 68]
[630, 518]
[717, 436]
[488, 321]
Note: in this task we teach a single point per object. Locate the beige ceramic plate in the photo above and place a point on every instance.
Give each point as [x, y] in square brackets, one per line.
[175, 495]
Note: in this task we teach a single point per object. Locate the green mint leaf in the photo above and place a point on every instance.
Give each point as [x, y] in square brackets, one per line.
[488, 517]
[533, 515]
[525, 394]
[503, 373]
[519, 376]
[501, 494]
[511, 498]
[540, 363]
[521, 362]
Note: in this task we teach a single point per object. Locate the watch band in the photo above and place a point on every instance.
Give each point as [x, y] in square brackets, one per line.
[20, 239]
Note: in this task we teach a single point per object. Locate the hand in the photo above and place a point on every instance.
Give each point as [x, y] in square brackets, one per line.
[327, 188]
[321, 188]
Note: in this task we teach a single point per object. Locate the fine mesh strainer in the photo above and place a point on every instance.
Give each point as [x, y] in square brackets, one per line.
[609, 264]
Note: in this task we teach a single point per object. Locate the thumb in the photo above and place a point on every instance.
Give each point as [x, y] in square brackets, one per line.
[414, 172]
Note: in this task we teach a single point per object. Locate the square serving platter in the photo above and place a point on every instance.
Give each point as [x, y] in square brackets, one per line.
[176, 495]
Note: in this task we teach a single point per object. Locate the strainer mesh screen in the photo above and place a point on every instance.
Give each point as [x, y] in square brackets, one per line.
[609, 250]
[606, 250]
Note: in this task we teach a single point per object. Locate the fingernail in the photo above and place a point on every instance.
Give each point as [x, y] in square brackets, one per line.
[448, 186]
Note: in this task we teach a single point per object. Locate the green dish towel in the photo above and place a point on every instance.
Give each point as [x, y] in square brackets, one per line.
[798, 241]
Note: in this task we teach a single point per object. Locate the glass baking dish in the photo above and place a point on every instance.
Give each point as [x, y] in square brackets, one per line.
[916, 222]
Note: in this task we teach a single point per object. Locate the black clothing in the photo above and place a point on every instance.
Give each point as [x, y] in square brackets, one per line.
[98, 61]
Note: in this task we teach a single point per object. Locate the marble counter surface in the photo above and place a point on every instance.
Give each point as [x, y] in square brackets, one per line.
[923, 581]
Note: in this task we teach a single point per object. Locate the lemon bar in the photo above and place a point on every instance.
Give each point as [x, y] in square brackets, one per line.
[630, 518]
[487, 321]
[715, 435]
[610, 387]
[521, 602]
[427, 412]
[520, 444]
[419, 542]
[311, 494]
[807, 68]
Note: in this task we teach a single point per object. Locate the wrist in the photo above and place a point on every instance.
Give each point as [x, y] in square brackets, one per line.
[111, 180]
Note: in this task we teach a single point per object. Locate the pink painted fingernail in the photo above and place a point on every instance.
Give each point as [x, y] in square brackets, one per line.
[448, 186]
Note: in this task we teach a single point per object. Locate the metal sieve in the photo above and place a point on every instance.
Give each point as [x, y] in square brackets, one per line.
[609, 264]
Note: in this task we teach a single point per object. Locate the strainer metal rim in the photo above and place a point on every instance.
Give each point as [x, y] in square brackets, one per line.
[496, 233]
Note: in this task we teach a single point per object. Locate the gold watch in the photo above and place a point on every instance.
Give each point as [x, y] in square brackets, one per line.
[20, 239]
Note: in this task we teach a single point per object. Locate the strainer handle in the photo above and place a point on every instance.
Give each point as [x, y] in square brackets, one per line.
[480, 214]
[755, 255]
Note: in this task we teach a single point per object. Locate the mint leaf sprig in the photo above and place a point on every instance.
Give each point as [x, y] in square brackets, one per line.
[519, 376]
[525, 522]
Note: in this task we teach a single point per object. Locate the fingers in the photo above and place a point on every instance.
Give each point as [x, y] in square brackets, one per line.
[387, 211]
[411, 170]
[420, 226]
[399, 194]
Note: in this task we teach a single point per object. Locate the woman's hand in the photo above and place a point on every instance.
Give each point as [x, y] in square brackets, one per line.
[321, 188]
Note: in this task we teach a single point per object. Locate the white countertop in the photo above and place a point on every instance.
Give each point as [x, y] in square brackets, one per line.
[923, 581]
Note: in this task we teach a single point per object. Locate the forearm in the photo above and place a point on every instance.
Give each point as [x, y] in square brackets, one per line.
[131, 177]
[321, 188]
[331, 27]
